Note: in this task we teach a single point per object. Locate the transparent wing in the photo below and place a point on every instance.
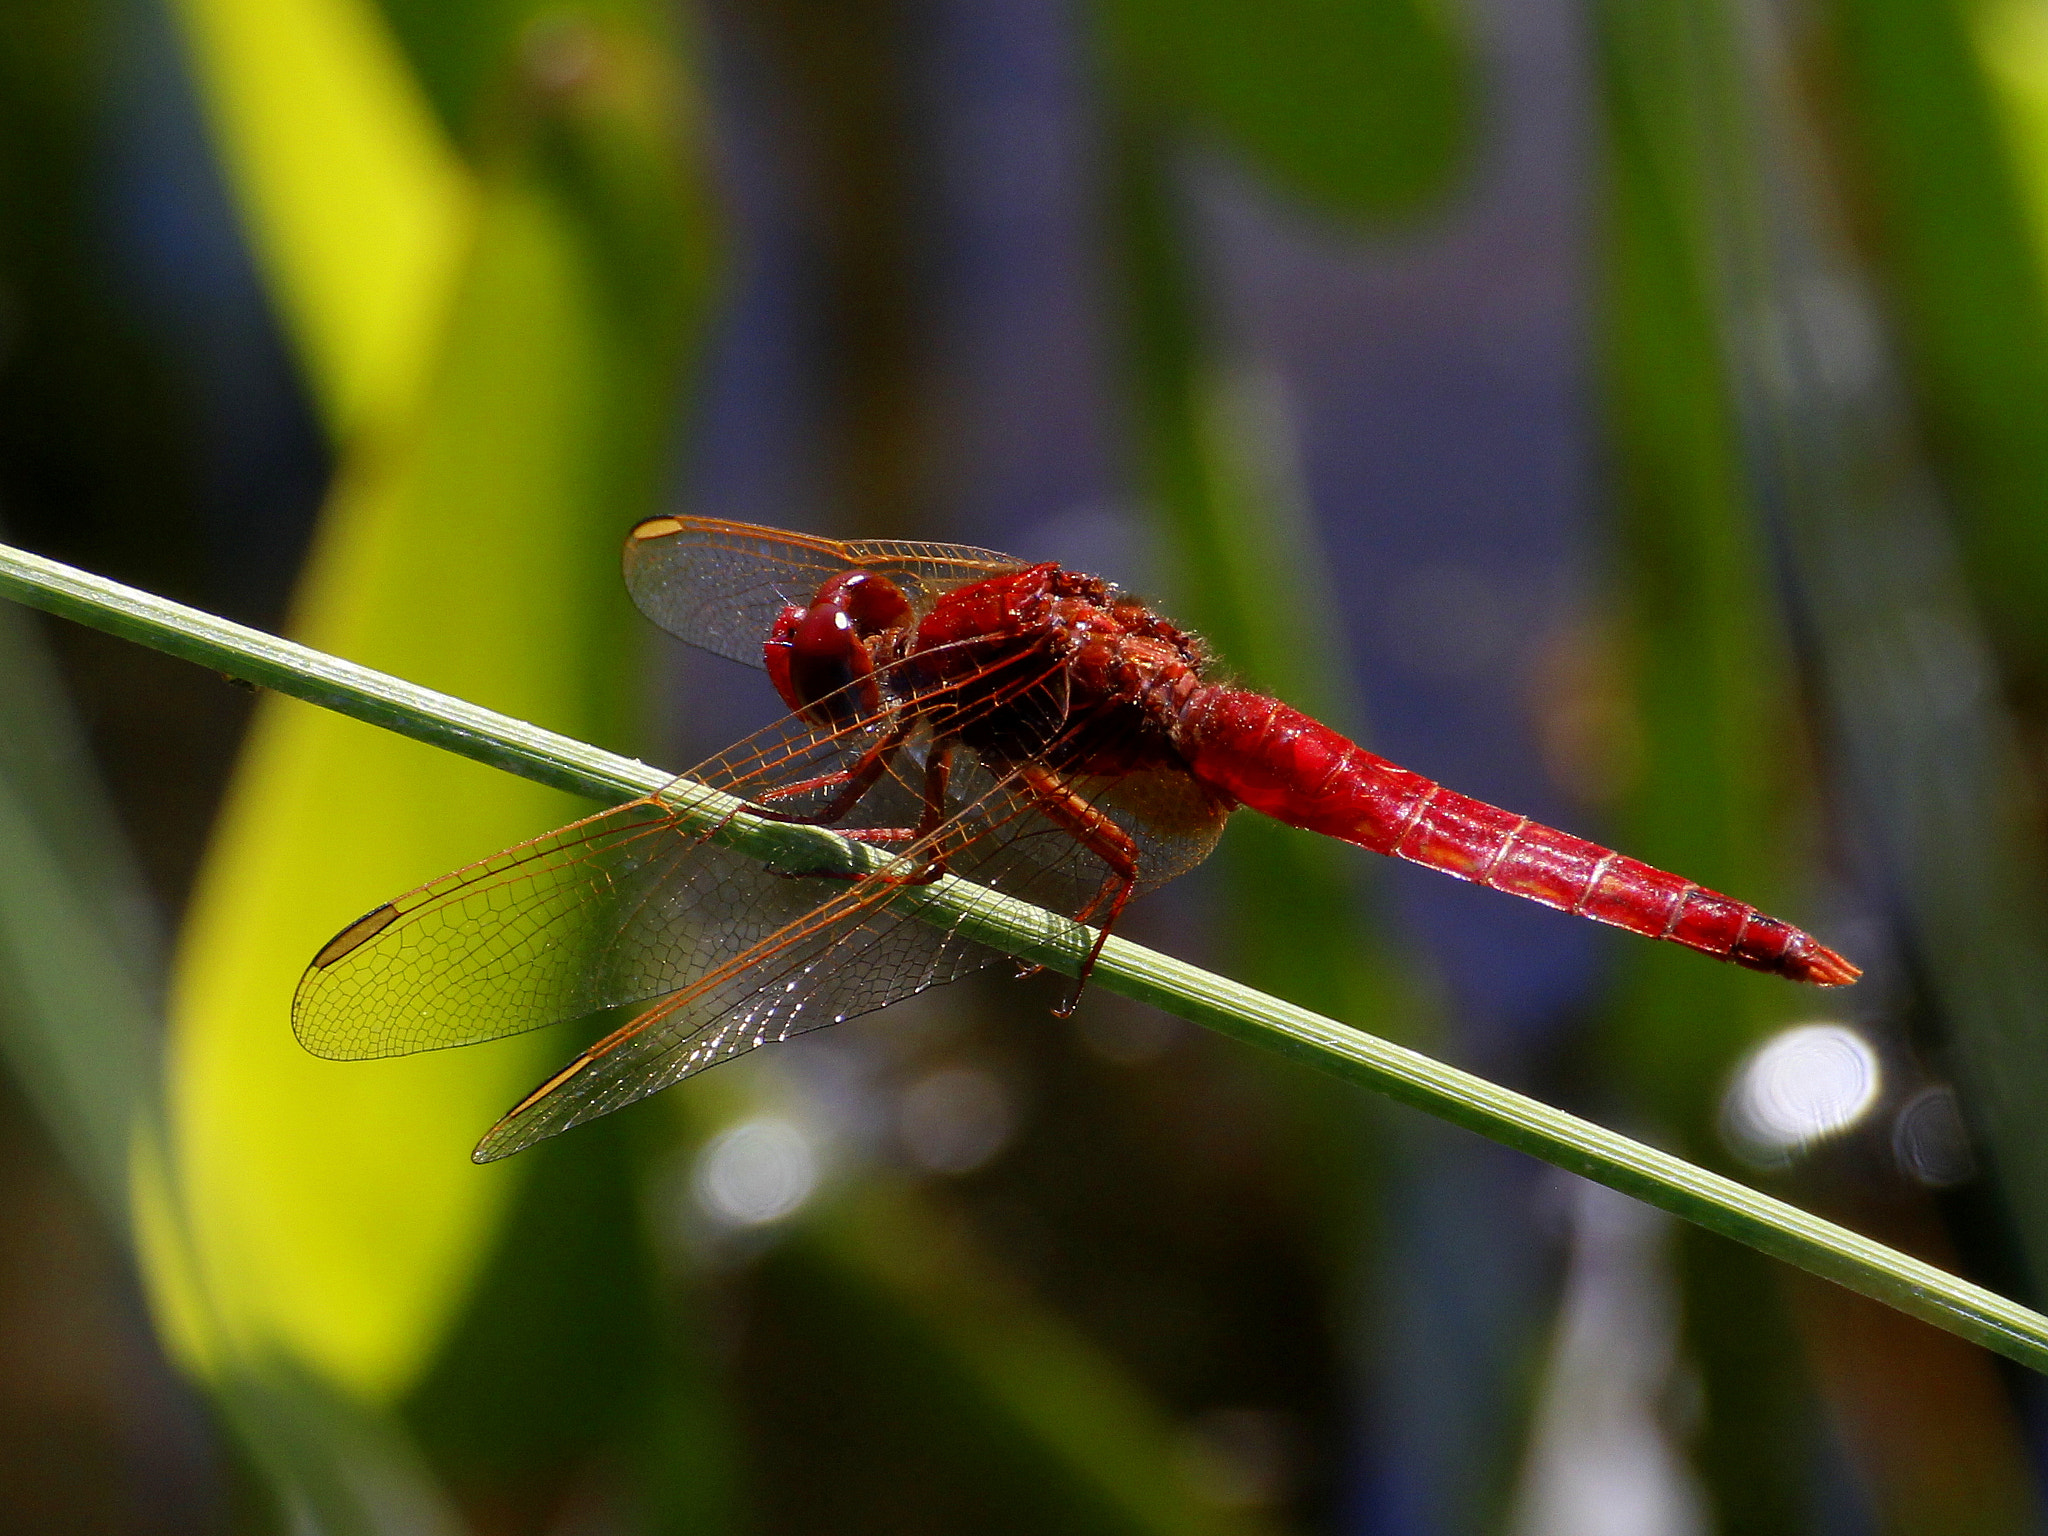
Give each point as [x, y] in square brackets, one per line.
[627, 908]
[507, 945]
[847, 954]
[861, 949]
[620, 908]
[720, 585]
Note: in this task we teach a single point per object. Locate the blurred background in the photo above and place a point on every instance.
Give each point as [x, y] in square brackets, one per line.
[1633, 413]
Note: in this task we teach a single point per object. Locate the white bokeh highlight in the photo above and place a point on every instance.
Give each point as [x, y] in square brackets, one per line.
[1801, 1086]
[758, 1171]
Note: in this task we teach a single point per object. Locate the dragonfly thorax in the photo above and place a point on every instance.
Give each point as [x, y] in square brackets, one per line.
[1044, 655]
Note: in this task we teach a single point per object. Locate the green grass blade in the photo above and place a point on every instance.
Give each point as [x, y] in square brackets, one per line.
[78, 1018]
[1715, 788]
[1032, 934]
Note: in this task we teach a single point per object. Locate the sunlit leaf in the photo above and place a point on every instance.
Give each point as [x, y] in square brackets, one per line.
[335, 1207]
[334, 1215]
[358, 208]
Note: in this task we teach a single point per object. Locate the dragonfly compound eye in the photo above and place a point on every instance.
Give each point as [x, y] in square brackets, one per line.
[818, 656]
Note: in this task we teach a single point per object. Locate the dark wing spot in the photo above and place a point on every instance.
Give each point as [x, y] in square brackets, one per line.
[355, 935]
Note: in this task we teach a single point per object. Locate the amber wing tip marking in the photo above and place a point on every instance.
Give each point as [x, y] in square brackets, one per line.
[655, 528]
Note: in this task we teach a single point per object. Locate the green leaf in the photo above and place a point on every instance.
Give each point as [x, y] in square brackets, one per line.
[1360, 107]
[1710, 693]
[1940, 119]
[359, 210]
[332, 1218]
[328, 1208]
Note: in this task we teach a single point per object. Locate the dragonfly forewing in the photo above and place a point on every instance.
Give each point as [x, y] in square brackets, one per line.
[621, 908]
[846, 949]
[634, 908]
[554, 929]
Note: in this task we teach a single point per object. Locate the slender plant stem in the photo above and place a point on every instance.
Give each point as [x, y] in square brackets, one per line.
[1032, 934]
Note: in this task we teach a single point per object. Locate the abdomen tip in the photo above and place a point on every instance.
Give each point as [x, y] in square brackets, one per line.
[1822, 967]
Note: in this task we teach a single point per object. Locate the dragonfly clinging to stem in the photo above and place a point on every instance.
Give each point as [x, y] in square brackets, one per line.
[1019, 725]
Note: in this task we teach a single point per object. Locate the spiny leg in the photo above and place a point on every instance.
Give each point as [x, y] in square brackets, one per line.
[937, 768]
[857, 781]
[1066, 807]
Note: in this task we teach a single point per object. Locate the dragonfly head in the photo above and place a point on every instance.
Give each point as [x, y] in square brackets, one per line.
[820, 657]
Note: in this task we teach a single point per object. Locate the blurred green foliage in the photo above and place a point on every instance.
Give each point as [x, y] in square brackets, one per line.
[1711, 717]
[484, 231]
[1937, 104]
[1361, 109]
[485, 443]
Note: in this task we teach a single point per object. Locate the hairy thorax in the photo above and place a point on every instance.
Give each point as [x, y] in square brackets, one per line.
[1066, 650]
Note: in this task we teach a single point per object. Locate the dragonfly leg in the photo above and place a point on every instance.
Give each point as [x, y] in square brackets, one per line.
[804, 787]
[937, 767]
[1066, 807]
[856, 782]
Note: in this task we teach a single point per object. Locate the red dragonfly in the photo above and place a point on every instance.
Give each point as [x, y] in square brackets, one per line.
[1022, 726]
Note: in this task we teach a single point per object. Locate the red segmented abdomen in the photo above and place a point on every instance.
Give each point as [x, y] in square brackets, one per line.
[1297, 770]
